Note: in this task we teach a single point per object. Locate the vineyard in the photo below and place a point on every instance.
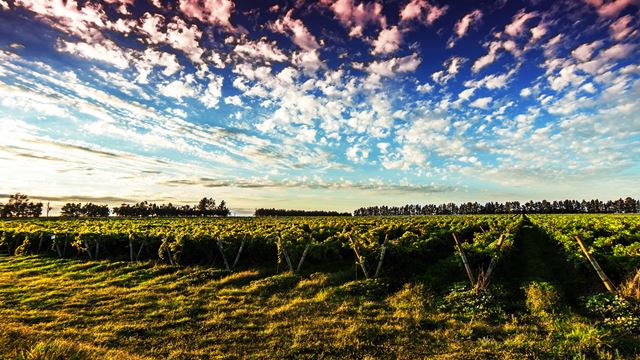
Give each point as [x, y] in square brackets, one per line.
[566, 274]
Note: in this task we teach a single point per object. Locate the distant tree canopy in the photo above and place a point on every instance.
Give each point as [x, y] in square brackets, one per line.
[283, 212]
[86, 210]
[206, 207]
[19, 205]
[628, 205]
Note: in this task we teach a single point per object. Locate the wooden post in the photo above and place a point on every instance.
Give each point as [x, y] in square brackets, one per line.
[170, 257]
[86, 245]
[286, 257]
[464, 261]
[40, 242]
[362, 265]
[235, 262]
[64, 249]
[304, 255]
[55, 242]
[97, 250]
[224, 258]
[140, 251]
[130, 248]
[382, 253]
[605, 280]
[492, 264]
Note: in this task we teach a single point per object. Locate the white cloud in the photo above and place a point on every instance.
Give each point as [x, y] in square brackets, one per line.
[106, 51]
[357, 17]
[466, 94]
[394, 66]
[482, 103]
[212, 94]
[452, 67]
[299, 32]
[620, 29]
[489, 58]
[216, 12]
[611, 8]
[388, 41]
[463, 25]
[233, 100]
[422, 10]
[585, 51]
[177, 89]
[518, 23]
[425, 88]
[262, 49]
[357, 154]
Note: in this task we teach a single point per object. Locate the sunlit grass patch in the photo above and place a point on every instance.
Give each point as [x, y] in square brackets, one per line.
[121, 311]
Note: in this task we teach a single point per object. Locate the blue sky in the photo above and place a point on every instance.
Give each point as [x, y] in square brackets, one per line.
[330, 104]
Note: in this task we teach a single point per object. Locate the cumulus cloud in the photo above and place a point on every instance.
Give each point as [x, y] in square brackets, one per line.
[452, 67]
[107, 51]
[357, 17]
[482, 103]
[518, 24]
[463, 25]
[394, 66]
[299, 33]
[611, 8]
[308, 61]
[388, 41]
[215, 12]
[423, 11]
[621, 29]
[489, 58]
[260, 50]
[585, 51]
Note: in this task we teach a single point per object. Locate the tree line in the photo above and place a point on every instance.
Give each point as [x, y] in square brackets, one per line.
[206, 207]
[284, 212]
[19, 205]
[628, 205]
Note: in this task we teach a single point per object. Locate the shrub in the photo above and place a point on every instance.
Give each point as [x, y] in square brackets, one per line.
[411, 303]
[631, 287]
[615, 311]
[542, 298]
[465, 302]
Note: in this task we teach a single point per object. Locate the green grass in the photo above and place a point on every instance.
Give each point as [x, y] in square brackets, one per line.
[64, 309]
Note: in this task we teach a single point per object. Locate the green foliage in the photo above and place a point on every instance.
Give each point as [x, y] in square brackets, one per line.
[542, 298]
[467, 303]
[412, 303]
[613, 239]
[55, 350]
[615, 312]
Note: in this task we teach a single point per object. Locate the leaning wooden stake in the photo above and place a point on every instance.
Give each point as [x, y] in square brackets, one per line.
[86, 245]
[55, 242]
[304, 255]
[40, 242]
[224, 257]
[235, 262]
[287, 259]
[382, 253]
[140, 251]
[131, 247]
[492, 264]
[464, 261]
[362, 266]
[605, 280]
[170, 257]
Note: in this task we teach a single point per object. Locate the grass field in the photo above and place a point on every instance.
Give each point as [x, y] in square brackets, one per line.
[537, 307]
[60, 308]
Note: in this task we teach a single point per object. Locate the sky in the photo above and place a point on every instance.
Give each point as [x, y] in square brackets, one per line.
[329, 104]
